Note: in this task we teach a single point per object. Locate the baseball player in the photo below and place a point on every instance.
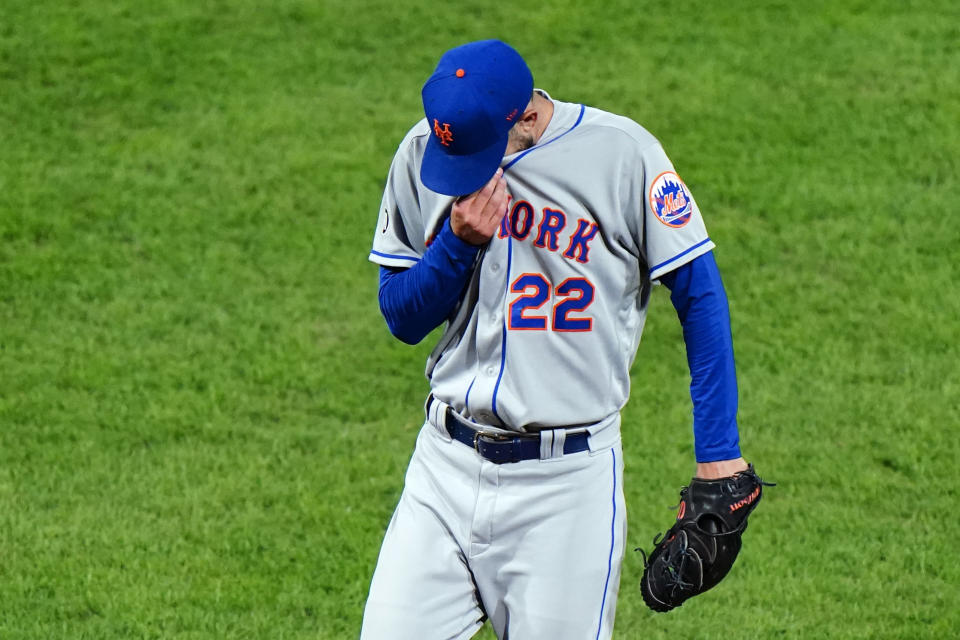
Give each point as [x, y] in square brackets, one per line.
[532, 230]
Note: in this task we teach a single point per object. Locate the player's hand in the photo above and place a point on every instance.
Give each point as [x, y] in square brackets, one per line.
[476, 217]
[720, 468]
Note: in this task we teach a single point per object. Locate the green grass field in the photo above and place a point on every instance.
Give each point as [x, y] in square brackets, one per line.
[204, 422]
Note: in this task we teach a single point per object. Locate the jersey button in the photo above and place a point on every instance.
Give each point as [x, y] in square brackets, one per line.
[491, 371]
[495, 267]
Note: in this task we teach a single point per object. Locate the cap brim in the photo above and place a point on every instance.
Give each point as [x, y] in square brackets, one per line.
[453, 175]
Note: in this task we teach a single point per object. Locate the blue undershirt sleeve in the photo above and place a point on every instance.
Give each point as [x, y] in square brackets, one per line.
[416, 300]
[697, 293]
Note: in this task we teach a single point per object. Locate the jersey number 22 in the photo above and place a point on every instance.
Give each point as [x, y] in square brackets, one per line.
[573, 296]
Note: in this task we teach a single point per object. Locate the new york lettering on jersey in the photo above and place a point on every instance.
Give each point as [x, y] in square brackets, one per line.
[550, 228]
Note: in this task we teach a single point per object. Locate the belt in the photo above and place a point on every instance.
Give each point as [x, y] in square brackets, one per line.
[499, 448]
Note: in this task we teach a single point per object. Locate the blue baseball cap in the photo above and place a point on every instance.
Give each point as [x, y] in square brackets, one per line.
[475, 95]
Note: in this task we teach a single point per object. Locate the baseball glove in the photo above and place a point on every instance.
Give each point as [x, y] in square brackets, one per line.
[699, 549]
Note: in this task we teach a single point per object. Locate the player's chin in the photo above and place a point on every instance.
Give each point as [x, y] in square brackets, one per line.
[518, 142]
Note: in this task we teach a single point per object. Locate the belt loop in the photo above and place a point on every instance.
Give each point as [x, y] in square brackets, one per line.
[427, 406]
[437, 413]
[558, 442]
[430, 408]
[546, 445]
[551, 443]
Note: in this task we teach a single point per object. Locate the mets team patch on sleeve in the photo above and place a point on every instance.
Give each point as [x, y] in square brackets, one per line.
[670, 201]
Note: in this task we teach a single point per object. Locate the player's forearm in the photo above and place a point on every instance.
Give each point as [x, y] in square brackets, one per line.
[701, 303]
[415, 301]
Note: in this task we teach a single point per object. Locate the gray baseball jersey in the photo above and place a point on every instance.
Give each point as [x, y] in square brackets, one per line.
[551, 320]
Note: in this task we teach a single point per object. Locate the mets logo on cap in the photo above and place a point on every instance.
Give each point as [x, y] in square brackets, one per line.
[670, 200]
